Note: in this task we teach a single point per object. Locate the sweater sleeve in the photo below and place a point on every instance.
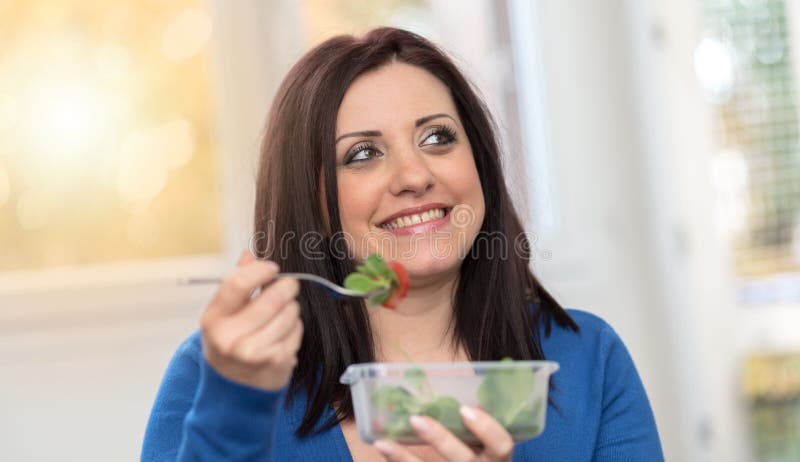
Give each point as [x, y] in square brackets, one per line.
[627, 426]
[199, 415]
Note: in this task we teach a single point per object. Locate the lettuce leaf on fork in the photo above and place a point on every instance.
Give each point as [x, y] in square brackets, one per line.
[374, 274]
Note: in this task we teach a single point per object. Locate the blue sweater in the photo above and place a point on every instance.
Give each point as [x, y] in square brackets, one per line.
[603, 412]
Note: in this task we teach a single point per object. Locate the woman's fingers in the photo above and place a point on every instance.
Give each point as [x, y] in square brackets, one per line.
[236, 289]
[262, 309]
[497, 442]
[254, 340]
[271, 344]
[228, 331]
[435, 434]
[394, 452]
[245, 257]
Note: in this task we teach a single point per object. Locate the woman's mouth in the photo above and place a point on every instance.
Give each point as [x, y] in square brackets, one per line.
[414, 223]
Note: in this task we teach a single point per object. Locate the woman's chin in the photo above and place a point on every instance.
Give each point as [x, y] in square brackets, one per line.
[431, 270]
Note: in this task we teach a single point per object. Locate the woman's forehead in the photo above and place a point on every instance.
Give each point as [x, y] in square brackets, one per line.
[394, 93]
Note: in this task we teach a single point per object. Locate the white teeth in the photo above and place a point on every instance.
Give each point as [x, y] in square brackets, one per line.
[414, 219]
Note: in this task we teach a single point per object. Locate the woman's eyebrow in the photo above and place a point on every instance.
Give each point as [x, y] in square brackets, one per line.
[372, 133]
[428, 118]
[376, 133]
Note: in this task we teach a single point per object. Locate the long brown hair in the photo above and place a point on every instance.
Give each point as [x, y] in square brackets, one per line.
[499, 306]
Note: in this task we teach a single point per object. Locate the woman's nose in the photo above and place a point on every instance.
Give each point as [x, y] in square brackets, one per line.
[412, 174]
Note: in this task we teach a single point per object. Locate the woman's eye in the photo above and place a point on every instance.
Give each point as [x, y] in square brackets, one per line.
[362, 153]
[441, 136]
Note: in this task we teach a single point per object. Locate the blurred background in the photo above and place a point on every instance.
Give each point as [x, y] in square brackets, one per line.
[653, 146]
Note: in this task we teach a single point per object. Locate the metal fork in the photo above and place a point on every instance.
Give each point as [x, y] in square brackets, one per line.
[335, 289]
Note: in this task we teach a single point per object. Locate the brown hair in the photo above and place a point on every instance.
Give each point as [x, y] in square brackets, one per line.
[499, 306]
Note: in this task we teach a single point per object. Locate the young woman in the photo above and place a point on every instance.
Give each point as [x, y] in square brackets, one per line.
[378, 144]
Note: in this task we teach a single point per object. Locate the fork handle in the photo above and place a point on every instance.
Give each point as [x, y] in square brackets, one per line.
[322, 281]
[304, 276]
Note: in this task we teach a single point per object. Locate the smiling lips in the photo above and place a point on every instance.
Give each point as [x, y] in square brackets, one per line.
[417, 219]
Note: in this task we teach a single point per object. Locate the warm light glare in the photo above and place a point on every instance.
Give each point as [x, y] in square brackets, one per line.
[8, 112]
[141, 173]
[105, 131]
[187, 34]
[142, 229]
[113, 61]
[5, 186]
[67, 108]
[66, 117]
[177, 141]
[32, 210]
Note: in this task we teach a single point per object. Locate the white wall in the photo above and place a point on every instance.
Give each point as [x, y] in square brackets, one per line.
[80, 367]
[604, 254]
[719, 332]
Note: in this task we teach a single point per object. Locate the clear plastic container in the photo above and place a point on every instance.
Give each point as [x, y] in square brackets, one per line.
[385, 395]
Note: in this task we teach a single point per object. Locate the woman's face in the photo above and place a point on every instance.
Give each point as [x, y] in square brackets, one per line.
[408, 186]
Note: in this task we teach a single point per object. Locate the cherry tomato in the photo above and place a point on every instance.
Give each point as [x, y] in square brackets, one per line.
[400, 292]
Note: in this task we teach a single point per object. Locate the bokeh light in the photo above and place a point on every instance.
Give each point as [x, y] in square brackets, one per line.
[106, 124]
[714, 65]
[5, 186]
[187, 34]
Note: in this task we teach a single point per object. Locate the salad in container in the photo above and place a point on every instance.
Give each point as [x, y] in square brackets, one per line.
[386, 395]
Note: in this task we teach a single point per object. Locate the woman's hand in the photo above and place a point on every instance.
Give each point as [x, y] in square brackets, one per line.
[497, 443]
[253, 340]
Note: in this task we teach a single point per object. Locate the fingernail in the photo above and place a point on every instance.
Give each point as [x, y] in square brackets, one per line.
[243, 257]
[419, 424]
[272, 266]
[468, 413]
[383, 447]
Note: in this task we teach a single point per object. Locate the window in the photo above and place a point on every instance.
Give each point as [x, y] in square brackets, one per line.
[772, 387]
[106, 133]
[745, 66]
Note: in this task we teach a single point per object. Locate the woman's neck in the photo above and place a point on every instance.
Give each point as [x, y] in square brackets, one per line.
[420, 328]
